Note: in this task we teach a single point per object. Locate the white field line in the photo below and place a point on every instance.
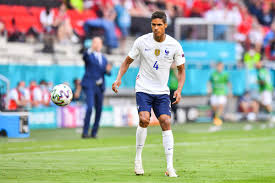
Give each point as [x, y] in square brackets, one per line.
[146, 146]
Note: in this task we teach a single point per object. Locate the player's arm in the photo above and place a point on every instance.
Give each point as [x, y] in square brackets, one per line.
[123, 68]
[86, 54]
[181, 80]
[209, 86]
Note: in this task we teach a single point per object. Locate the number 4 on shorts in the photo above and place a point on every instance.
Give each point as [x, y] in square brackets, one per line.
[156, 65]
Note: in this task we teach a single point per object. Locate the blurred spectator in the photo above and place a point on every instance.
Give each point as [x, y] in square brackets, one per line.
[35, 94]
[265, 87]
[254, 7]
[14, 33]
[78, 93]
[18, 98]
[63, 25]
[222, 14]
[248, 106]
[266, 15]
[140, 9]
[47, 20]
[270, 36]
[46, 96]
[256, 35]
[107, 23]
[87, 4]
[2, 28]
[270, 50]
[199, 7]
[246, 24]
[123, 20]
[252, 57]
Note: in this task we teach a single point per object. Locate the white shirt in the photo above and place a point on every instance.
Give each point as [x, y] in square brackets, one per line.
[46, 19]
[37, 94]
[155, 62]
[98, 55]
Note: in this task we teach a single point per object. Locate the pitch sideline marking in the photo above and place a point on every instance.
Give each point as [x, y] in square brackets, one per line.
[148, 145]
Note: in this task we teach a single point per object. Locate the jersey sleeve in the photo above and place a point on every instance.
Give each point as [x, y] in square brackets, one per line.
[134, 52]
[179, 55]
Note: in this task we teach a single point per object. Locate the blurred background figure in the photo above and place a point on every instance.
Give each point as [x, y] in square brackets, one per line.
[47, 21]
[106, 23]
[123, 20]
[252, 57]
[14, 34]
[78, 93]
[18, 97]
[173, 86]
[248, 106]
[219, 82]
[46, 96]
[63, 25]
[35, 94]
[93, 84]
[265, 87]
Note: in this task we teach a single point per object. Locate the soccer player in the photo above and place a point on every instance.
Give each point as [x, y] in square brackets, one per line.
[219, 80]
[265, 87]
[156, 51]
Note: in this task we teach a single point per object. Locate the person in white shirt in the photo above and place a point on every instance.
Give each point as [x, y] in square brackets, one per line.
[156, 52]
[46, 19]
[18, 97]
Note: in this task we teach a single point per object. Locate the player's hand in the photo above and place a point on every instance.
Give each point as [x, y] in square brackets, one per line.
[116, 85]
[177, 95]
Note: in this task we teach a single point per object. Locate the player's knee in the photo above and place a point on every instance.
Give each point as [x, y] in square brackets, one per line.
[165, 123]
[144, 122]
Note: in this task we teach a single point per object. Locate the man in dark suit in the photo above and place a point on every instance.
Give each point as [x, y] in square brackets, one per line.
[96, 66]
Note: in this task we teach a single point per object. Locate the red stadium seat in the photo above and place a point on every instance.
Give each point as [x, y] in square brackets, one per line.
[27, 17]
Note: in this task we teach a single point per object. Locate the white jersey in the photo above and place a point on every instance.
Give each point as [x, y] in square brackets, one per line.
[156, 59]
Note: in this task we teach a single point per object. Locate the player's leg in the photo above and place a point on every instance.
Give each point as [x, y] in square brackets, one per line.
[213, 103]
[267, 101]
[144, 102]
[161, 107]
[98, 110]
[90, 103]
[221, 101]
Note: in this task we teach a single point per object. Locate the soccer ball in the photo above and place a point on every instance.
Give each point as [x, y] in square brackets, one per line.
[61, 95]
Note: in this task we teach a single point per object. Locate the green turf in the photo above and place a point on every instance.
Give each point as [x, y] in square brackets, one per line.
[229, 156]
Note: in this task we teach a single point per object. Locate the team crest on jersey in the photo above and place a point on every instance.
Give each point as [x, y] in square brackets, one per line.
[157, 52]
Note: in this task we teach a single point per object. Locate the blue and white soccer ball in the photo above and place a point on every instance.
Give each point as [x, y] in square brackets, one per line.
[61, 95]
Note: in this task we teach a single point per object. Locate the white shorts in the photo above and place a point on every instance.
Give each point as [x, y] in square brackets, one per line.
[266, 98]
[218, 100]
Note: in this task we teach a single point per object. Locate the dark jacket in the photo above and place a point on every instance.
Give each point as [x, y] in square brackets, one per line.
[93, 70]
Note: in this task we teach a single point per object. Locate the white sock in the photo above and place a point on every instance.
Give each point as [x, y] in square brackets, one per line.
[168, 144]
[141, 135]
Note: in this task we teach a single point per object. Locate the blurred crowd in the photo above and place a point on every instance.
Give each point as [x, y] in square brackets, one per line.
[254, 21]
[24, 97]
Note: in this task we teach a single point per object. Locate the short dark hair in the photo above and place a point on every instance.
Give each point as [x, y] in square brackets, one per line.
[160, 15]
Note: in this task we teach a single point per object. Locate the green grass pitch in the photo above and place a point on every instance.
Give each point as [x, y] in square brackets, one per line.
[56, 156]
